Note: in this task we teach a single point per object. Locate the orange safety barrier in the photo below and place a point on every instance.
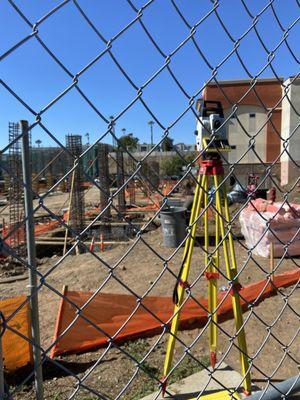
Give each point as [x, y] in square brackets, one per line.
[167, 185]
[47, 227]
[109, 311]
[16, 350]
[148, 207]
[92, 245]
[39, 229]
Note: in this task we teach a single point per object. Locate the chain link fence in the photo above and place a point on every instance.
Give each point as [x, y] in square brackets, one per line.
[82, 253]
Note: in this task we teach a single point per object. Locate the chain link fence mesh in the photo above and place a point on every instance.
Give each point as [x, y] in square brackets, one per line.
[111, 242]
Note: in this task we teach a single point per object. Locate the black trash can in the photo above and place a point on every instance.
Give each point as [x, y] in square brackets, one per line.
[173, 223]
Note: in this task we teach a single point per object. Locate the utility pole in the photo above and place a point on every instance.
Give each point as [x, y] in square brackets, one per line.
[151, 123]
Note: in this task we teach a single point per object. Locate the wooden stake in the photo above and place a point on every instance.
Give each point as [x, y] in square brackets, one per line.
[101, 243]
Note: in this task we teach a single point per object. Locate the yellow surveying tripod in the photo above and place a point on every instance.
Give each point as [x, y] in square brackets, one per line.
[210, 167]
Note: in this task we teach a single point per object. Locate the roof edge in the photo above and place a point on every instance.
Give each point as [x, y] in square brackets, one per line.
[239, 81]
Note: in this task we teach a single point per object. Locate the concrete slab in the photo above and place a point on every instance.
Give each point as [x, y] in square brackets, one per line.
[190, 387]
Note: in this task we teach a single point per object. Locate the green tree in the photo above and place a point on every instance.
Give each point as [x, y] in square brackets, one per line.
[173, 165]
[167, 144]
[128, 142]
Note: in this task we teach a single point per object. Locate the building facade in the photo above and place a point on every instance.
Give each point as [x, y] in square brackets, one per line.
[251, 121]
[262, 117]
[290, 132]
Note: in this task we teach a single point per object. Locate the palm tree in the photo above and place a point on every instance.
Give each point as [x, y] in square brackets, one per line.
[38, 142]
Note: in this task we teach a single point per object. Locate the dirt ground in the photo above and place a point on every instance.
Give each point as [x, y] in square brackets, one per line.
[58, 201]
[272, 328]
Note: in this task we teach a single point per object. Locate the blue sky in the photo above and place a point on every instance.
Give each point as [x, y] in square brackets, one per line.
[37, 79]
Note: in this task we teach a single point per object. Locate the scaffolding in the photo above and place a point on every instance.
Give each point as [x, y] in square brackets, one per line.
[15, 189]
[75, 184]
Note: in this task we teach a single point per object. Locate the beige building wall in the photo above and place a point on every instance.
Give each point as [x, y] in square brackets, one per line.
[253, 119]
[290, 131]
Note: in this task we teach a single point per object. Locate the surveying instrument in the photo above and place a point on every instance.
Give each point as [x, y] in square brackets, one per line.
[212, 141]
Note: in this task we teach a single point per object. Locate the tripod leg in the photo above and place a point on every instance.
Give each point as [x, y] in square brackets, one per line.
[237, 308]
[187, 255]
[212, 294]
[231, 272]
[212, 275]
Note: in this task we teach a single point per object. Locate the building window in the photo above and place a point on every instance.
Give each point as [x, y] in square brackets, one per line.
[232, 126]
[143, 148]
[252, 122]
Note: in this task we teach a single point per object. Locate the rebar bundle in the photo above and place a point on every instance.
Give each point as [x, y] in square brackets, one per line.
[75, 184]
[15, 189]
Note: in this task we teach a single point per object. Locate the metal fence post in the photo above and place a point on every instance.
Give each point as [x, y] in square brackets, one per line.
[30, 240]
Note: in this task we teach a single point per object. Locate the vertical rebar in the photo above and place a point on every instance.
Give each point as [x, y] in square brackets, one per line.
[30, 241]
[130, 170]
[35, 183]
[153, 174]
[76, 206]
[120, 180]
[103, 178]
[77, 209]
[16, 204]
[49, 179]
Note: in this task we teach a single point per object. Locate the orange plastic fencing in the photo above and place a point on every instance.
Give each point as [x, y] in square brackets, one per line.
[39, 229]
[16, 350]
[47, 227]
[109, 311]
[148, 207]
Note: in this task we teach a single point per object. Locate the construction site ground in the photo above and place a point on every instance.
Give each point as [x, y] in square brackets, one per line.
[139, 270]
[59, 201]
